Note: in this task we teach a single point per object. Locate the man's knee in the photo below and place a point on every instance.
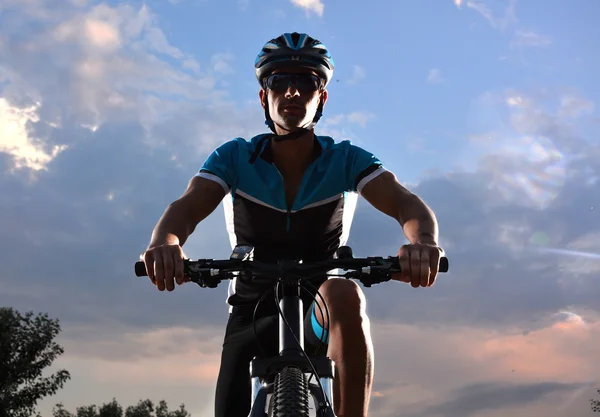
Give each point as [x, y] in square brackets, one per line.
[344, 299]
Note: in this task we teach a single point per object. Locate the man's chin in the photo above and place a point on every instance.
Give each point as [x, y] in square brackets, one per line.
[290, 127]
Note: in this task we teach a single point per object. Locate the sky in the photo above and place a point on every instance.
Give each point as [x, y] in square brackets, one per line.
[486, 109]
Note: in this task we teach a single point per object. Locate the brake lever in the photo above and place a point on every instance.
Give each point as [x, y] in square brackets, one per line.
[207, 279]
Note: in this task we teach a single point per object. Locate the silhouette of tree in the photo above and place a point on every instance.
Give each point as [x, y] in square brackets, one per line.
[26, 349]
[144, 408]
[595, 404]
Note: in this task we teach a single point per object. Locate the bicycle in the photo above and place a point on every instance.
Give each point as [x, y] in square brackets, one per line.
[284, 376]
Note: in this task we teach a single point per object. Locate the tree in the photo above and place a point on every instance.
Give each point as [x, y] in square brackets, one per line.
[595, 404]
[144, 408]
[26, 349]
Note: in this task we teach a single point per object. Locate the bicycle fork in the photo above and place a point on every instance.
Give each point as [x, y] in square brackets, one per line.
[264, 371]
[260, 390]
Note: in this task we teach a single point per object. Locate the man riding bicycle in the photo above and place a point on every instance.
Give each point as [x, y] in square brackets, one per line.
[291, 194]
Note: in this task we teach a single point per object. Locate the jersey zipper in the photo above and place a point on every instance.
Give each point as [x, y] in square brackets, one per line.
[289, 210]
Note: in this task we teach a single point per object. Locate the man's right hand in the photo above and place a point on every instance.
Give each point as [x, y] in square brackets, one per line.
[164, 265]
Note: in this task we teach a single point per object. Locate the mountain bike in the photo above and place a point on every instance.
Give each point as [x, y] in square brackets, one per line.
[284, 376]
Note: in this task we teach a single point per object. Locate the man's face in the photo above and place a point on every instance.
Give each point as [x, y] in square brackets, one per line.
[295, 103]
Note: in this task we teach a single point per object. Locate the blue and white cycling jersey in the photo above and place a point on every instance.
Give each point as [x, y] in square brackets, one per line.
[256, 212]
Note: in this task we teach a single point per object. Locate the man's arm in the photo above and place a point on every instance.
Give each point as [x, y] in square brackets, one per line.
[183, 215]
[164, 256]
[417, 220]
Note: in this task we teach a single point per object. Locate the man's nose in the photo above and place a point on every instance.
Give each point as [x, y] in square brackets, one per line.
[291, 91]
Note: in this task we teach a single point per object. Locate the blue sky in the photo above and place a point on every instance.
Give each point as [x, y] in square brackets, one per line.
[486, 109]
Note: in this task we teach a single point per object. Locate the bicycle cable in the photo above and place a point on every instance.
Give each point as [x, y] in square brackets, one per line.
[256, 338]
[266, 292]
[300, 346]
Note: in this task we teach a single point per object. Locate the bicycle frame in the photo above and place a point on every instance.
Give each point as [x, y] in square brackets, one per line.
[264, 370]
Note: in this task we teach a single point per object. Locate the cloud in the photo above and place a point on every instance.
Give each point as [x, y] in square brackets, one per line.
[458, 3]
[509, 17]
[529, 38]
[110, 73]
[340, 126]
[357, 117]
[360, 118]
[115, 111]
[311, 6]
[221, 63]
[493, 396]
[434, 76]
[516, 192]
[358, 74]
[482, 368]
[574, 107]
[15, 140]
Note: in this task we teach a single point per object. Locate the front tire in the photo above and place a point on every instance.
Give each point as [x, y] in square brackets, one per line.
[290, 394]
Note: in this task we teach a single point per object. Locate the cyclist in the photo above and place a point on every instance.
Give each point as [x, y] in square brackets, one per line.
[291, 194]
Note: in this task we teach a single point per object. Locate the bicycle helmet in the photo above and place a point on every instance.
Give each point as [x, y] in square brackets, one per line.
[294, 50]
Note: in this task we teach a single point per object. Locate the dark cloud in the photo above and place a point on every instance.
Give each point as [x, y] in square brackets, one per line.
[470, 400]
[495, 278]
[77, 227]
[72, 243]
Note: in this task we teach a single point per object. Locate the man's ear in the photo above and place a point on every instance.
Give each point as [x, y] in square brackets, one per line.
[262, 95]
[324, 95]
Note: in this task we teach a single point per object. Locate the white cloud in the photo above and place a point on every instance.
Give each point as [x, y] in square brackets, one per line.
[314, 6]
[529, 38]
[509, 15]
[27, 151]
[458, 3]
[573, 107]
[341, 126]
[108, 62]
[434, 76]
[360, 118]
[358, 74]
[584, 259]
[514, 101]
[221, 63]
[101, 34]
[357, 117]
[525, 143]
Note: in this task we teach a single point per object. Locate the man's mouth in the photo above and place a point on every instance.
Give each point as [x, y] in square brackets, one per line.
[292, 107]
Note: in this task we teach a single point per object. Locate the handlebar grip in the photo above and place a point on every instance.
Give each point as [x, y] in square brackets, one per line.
[140, 269]
[443, 264]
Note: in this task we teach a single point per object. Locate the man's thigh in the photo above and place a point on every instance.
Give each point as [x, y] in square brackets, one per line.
[232, 397]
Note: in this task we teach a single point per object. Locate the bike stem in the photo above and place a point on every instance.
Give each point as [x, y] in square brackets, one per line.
[292, 307]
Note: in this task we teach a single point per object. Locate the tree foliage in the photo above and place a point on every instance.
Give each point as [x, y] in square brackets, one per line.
[595, 404]
[144, 408]
[27, 347]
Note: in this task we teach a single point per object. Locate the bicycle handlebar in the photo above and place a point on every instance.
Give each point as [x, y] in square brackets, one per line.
[369, 270]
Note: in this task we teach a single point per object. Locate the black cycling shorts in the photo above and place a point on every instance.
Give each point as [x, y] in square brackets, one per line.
[233, 389]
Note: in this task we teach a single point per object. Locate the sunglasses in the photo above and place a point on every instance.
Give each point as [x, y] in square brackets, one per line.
[305, 83]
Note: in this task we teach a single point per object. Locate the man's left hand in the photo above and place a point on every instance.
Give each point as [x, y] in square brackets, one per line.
[419, 264]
